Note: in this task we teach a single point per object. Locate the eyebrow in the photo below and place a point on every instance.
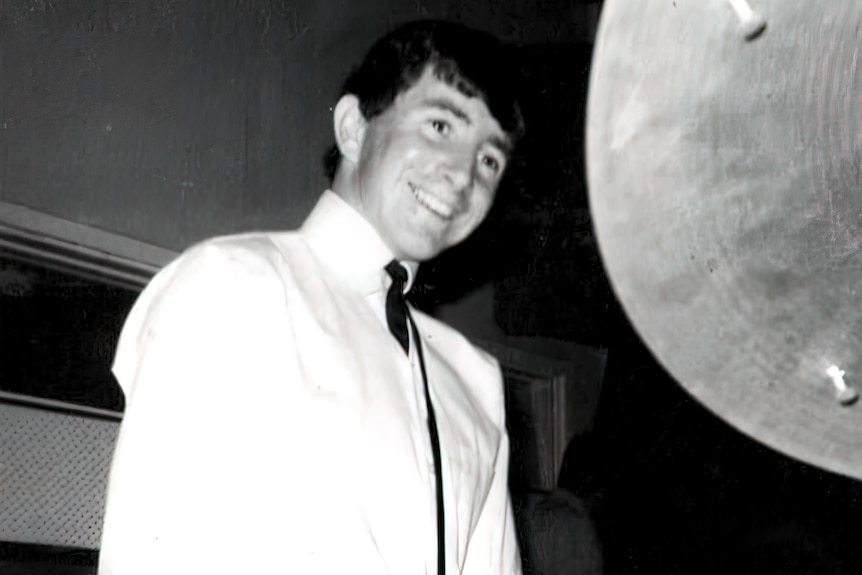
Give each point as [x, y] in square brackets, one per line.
[450, 106]
[444, 103]
[504, 144]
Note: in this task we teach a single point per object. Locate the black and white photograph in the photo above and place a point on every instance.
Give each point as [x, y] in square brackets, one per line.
[418, 287]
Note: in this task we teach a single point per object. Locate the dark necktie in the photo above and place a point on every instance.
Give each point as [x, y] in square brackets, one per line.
[398, 316]
[396, 307]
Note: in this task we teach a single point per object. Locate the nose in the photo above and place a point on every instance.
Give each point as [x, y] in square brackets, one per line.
[458, 170]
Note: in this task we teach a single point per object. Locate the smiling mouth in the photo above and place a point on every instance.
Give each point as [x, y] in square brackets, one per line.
[434, 204]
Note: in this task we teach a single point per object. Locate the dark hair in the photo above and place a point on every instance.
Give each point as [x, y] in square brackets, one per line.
[472, 61]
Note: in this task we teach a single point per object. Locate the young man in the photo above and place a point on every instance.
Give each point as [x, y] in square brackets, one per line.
[286, 413]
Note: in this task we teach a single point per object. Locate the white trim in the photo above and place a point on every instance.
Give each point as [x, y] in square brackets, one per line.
[35, 236]
[61, 406]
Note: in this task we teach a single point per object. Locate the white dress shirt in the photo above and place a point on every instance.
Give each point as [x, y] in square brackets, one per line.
[274, 425]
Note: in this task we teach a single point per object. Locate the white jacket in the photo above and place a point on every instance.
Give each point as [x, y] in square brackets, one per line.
[273, 425]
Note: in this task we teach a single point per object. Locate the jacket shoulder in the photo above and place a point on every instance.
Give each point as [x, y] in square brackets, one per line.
[225, 278]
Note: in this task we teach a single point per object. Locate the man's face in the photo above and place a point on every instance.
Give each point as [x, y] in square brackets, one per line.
[429, 167]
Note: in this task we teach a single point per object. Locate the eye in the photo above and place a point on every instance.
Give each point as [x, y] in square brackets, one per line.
[492, 164]
[442, 127]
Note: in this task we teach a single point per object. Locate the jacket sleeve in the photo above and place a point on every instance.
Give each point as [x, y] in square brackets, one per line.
[176, 500]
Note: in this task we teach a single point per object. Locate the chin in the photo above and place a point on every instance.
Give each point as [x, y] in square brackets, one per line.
[421, 253]
[421, 247]
[420, 256]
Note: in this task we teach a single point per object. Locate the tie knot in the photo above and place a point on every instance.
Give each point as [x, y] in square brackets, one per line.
[398, 274]
[396, 307]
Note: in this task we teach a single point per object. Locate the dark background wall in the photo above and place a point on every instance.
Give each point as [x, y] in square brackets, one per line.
[169, 121]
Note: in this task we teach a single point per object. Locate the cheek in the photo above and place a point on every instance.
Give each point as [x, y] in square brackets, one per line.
[395, 160]
[479, 208]
[410, 151]
[482, 203]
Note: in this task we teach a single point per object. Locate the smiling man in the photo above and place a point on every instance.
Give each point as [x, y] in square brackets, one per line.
[287, 412]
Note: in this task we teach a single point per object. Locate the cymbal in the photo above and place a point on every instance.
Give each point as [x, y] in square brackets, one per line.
[725, 184]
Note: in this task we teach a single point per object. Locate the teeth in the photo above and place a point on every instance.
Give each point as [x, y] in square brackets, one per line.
[432, 203]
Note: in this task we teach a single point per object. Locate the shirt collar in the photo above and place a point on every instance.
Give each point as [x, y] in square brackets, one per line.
[350, 246]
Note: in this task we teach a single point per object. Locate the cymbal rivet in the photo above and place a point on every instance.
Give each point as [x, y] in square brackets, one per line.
[751, 22]
[843, 393]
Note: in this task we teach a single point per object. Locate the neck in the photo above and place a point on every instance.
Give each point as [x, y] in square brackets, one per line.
[345, 185]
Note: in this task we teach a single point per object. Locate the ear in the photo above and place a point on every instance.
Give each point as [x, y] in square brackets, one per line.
[349, 127]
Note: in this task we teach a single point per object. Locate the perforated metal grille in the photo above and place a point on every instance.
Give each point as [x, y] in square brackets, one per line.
[53, 474]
